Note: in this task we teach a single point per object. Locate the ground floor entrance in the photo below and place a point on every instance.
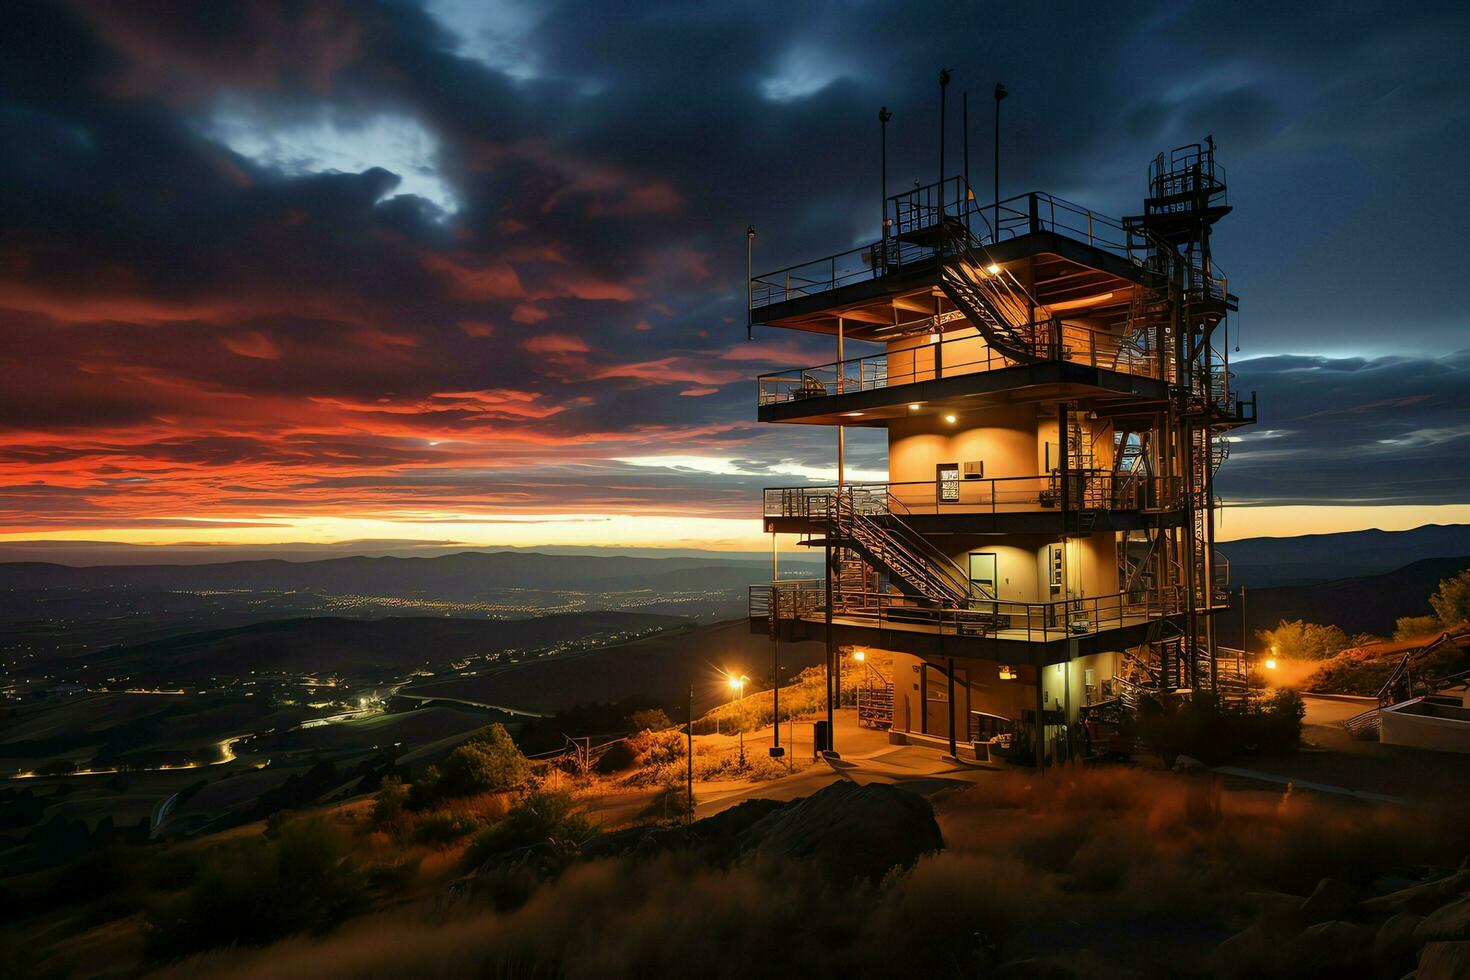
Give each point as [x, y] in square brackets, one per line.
[997, 709]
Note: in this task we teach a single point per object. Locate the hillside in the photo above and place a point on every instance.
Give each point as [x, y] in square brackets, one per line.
[1261, 562]
[658, 668]
[1362, 604]
[360, 648]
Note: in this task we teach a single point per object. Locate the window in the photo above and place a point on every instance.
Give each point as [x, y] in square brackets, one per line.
[947, 480]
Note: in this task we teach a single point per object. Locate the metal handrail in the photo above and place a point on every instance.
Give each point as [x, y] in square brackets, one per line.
[928, 205]
[1078, 345]
[1088, 489]
[996, 618]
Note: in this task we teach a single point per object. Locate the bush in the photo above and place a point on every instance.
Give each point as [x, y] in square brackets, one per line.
[537, 817]
[444, 827]
[1414, 627]
[1214, 732]
[390, 802]
[650, 720]
[486, 764]
[490, 763]
[1297, 640]
[301, 877]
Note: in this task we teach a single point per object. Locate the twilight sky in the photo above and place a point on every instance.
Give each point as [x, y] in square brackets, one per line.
[473, 272]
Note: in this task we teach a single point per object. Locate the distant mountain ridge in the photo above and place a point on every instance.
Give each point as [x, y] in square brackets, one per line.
[1261, 562]
[462, 575]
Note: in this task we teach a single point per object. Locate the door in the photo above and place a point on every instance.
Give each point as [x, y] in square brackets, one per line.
[983, 581]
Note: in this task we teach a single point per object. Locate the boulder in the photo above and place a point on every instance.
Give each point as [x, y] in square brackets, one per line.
[1329, 947]
[1278, 913]
[1420, 898]
[1394, 944]
[1444, 961]
[1446, 924]
[1033, 969]
[1249, 953]
[1330, 900]
[849, 831]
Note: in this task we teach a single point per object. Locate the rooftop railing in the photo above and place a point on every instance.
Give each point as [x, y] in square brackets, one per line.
[914, 212]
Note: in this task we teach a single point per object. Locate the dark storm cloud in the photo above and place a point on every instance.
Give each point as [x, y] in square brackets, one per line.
[1391, 430]
[341, 256]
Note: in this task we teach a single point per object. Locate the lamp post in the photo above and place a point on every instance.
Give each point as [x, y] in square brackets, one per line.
[749, 284]
[737, 684]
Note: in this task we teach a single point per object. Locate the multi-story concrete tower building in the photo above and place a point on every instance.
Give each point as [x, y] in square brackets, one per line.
[1055, 389]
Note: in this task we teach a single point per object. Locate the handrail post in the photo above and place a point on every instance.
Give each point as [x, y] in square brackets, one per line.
[1035, 216]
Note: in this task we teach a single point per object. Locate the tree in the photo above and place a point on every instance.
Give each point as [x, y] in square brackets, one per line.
[483, 765]
[1451, 601]
[1297, 640]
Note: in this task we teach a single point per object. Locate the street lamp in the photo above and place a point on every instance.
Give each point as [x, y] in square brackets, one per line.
[737, 684]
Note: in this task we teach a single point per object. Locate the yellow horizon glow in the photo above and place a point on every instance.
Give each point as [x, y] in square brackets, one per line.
[667, 530]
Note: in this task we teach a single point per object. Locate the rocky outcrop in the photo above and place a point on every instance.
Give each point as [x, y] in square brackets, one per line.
[1336, 932]
[850, 832]
[847, 832]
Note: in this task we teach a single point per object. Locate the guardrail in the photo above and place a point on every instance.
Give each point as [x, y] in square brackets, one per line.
[948, 357]
[912, 212]
[1087, 489]
[1032, 622]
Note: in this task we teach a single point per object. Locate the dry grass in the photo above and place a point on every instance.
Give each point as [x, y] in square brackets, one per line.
[1113, 868]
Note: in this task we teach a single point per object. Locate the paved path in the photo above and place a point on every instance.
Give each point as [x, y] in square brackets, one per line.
[1332, 761]
[865, 756]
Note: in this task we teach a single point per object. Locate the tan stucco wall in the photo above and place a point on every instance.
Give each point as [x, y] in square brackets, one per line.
[1006, 442]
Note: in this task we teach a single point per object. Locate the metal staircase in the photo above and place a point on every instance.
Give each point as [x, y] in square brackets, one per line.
[992, 299]
[912, 565]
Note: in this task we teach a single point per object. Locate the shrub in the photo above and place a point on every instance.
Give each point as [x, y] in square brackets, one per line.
[1297, 640]
[444, 827]
[490, 763]
[1214, 732]
[300, 877]
[649, 720]
[536, 817]
[390, 802]
[1413, 627]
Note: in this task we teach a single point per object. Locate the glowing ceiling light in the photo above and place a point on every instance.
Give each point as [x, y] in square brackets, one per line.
[949, 419]
[914, 407]
[993, 269]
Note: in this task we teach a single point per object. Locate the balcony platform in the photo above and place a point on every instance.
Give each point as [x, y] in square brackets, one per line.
[1049, 521]
[1049, 380]
[1012, 646]
[814, 306]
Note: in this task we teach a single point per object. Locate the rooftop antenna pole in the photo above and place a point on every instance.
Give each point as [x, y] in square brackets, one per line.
[749, 283]
[943, 84]
[965, 129]
[883, 116]
[1000, 93]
